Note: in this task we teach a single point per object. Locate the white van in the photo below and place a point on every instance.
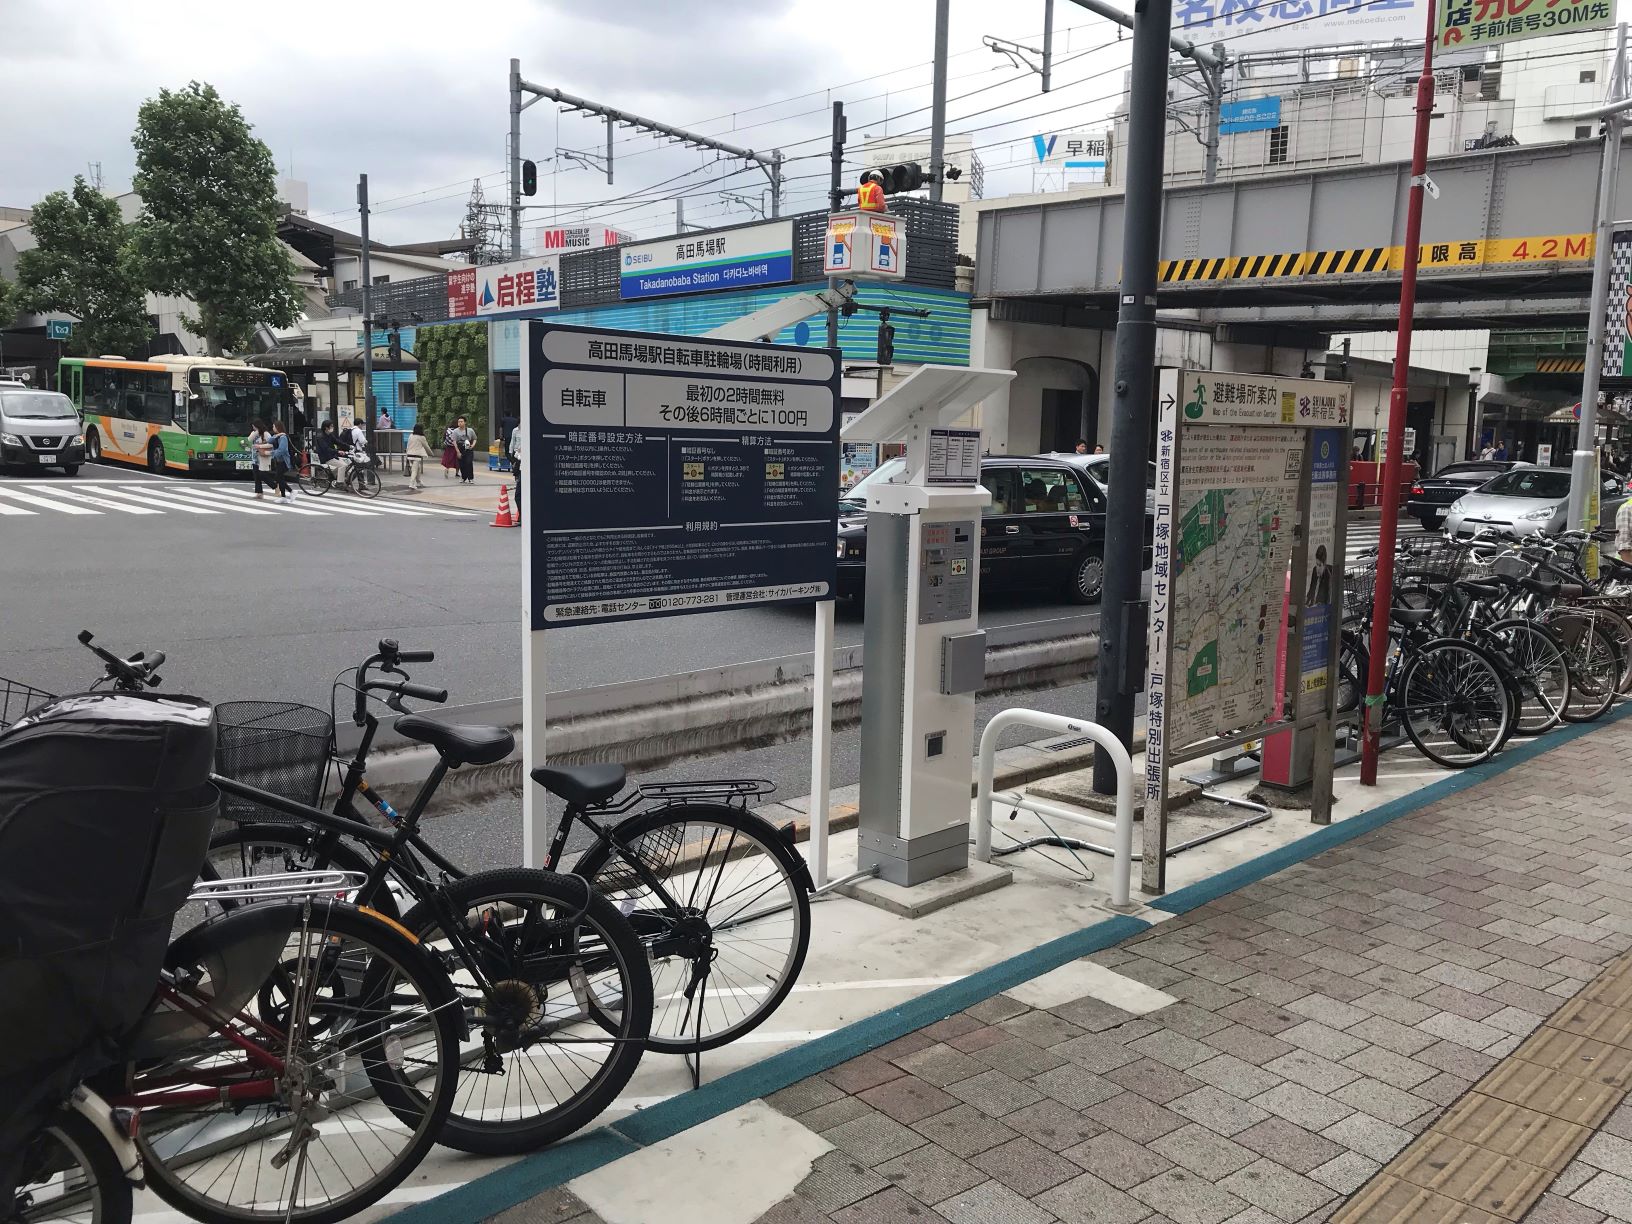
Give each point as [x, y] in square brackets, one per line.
[39, 429]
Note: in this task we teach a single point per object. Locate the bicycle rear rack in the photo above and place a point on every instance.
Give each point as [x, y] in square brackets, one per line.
[281, 886]
[726, 789]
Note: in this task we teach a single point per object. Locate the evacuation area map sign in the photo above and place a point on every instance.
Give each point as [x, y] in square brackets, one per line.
[1231, 458]
[1232, 542]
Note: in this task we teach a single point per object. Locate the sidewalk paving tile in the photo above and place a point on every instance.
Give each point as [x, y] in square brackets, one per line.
[1093, 1201]
[888, 1207]
[992, 1203]
[1118, 1160]
[931, 1173]
[1278, 1190]
[1186, 1199]
[964, 1131]
[1298, 1149]
[1025, 1166]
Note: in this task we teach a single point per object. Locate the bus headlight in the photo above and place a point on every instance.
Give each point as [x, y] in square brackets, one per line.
[79, 440]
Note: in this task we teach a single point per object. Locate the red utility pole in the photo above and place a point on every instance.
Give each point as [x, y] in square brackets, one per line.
[1383, 600]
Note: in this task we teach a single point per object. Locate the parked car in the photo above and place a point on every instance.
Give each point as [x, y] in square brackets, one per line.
[1432, 496]
[1044, 529]
[39, 429]
[1523, 501]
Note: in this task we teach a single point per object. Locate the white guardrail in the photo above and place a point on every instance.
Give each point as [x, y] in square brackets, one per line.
[1121, 828]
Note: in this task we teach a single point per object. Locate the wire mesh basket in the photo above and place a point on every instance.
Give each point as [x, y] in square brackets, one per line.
[1359, 588]
[278, 746]
[658, 849]
[1434, 563]
[17, 699]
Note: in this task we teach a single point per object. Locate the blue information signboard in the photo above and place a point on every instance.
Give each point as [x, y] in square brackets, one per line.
[730, 259]
[668, 475]
[1250, 115]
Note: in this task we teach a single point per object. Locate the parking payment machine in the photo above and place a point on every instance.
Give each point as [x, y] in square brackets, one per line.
[924, 654]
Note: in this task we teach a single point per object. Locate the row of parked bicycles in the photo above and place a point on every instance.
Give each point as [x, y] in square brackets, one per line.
[271, 1008]
[1489, 638]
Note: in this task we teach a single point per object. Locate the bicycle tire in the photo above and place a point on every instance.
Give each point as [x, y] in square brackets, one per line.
[674, 1031]
[1447, 665]
[1597, 662]
[226, 949]
[469, 1126]
[1540, 666]
[366, 482]
[243, 847]
[1353, 666]
[314, 479]
[75, 1138]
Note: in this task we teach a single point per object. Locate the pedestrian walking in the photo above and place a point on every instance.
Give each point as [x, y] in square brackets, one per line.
[464, 439]
[450, 453]
[283, 458]
[1501, 451]
[418, 450]
[515, 465]
[259, 442]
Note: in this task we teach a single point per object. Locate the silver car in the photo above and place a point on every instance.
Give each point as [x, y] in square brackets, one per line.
[1521, 502]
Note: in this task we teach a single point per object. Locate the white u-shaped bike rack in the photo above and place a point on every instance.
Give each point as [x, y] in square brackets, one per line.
[1121, 828]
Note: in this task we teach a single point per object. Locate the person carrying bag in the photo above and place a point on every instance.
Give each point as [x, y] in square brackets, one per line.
[450, 453]
[283, 459]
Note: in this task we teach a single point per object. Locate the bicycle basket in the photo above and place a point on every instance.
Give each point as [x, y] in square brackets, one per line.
[17, 699]
[1359, 588]
[1437, 563]
[277, 746]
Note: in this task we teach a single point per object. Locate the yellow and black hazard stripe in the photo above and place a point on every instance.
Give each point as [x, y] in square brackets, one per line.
[1264, 267]
[1560, 365]
[1359, 259]
[1222, 268]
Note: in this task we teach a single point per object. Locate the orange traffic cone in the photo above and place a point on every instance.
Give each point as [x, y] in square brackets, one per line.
[503, 517]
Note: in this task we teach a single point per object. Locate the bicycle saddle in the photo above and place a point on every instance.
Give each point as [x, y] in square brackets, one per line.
[1411, 616]
[459, 743]
[581, 783]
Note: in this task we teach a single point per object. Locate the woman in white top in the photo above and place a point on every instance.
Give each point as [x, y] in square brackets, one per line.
[418, 450]
[259, 442]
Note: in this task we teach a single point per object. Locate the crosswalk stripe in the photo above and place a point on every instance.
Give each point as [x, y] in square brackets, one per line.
[29, 499]
[154, 499]
[271, 505]
[236, 489]
[76, 496]
[5, 509]
[181, 501]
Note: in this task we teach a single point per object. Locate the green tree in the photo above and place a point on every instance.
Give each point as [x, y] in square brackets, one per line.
[208, 226]
[83, 265]
[8, 301]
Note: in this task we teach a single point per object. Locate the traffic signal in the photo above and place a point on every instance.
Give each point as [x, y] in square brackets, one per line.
[396, 346]
[529, 178]
[886, 339]
[908, 176]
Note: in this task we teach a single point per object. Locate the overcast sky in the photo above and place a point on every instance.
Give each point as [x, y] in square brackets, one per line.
[415, 93]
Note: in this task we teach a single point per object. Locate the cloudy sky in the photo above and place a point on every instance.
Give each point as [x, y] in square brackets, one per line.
[415, 95]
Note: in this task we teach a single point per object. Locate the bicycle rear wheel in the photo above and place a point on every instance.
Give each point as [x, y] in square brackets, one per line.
[70, 1176]
[1596, 660]
[1455, 703]
[367, 482]
[726, 955]
[258, 1072]
[560, 999]
[1541, 669]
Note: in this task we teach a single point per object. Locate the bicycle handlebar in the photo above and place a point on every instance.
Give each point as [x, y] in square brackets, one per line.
[417, 656]
[127, 674]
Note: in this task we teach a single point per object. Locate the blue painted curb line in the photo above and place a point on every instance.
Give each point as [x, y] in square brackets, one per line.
[501, 1189]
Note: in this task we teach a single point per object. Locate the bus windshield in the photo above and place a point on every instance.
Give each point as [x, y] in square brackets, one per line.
[217, 406]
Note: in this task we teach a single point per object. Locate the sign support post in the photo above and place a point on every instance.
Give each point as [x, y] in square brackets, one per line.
[821, 740]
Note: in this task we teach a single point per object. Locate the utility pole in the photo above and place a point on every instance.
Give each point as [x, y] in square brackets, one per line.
[368, 320]
[776, 183]
[835, 201]
[937, 113]
[1048, 44]
[1212, 76]
[1584, 475]
[1371, 727]
[1122, 622]
[516, 108]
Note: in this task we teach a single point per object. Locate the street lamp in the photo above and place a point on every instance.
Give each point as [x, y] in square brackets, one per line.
[1474, 374]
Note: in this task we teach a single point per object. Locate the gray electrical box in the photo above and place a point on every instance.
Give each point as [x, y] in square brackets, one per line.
[963, 662]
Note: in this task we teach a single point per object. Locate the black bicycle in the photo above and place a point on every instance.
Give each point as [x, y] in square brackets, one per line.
[555, 984]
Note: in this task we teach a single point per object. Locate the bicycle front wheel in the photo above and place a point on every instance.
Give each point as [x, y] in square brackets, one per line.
[258, 1072]
[367, 482]
[730, 936]
[1540, 669]
[1455, 703]
[1596, 659]
[560, 999]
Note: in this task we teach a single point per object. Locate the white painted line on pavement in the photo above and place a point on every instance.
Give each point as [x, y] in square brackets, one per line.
[5, 509]
[179, 499]
[269, 505]
[76, 496]
[28, 499]
[155, 499]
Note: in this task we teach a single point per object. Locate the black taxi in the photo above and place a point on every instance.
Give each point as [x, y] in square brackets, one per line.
[1044, 528]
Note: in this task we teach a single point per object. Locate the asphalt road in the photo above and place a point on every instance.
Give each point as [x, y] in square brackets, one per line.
[274, 605]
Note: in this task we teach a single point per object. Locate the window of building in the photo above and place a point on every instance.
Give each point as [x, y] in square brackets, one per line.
[1583, 133]
[347, 286]
[1589, 76]
[1279, 142]
[382, 280]
[407, 393]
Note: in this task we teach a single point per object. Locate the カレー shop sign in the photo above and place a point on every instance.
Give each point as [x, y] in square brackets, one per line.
[668, 475]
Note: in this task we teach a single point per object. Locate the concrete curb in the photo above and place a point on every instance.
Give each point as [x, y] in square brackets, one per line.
[648, 723]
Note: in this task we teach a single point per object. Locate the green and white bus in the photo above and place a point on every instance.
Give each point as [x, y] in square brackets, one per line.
[172, 414]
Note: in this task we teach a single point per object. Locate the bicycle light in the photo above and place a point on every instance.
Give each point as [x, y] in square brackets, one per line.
[127, 1121]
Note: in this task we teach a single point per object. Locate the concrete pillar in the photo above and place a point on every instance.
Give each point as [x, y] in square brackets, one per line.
[991, 346]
